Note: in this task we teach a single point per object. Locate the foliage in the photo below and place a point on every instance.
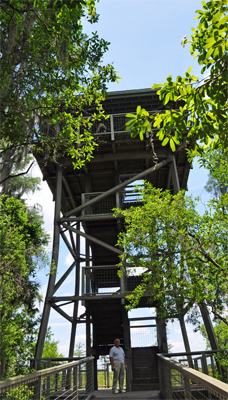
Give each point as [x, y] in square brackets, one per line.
[217, 164]
[182, 255]
[201, 120]
[79, 350]
[50, 349]
[14, 179]
[22, 241]
[221, 333]
[52, 76]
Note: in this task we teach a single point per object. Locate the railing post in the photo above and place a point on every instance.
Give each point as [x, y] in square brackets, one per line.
[107, 366]
[196, 364]
[63, 379]
[187, 389]
[37, 389]
[56, 382]
[83, 281]
[168, 383]
[204, 364]
[112, 128]
[48, 382]
[75, 380]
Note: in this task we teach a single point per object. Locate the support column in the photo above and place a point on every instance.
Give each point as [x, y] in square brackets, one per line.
[54, 263]
[162, 337]
[88, 332]
[174, 174]
[176, 189]
[77, 282]
[186, 341]
[127, 349]
[208, 326]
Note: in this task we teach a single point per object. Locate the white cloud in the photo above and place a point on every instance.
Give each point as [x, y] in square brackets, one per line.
[69, 260]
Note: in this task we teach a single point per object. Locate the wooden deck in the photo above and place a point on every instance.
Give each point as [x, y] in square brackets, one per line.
[139, 395]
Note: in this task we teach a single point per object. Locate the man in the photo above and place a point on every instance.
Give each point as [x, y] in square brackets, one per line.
[118, 363]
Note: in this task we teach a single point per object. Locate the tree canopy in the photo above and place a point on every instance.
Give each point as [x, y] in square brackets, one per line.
[22, 251]
[221, 333]
[52, 76]
[196, 107]
[180, 255]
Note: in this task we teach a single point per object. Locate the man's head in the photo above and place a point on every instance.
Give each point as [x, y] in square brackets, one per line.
[117, 342]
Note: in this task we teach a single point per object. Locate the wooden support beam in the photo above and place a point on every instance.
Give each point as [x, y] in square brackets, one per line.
[161, 335]
[61, 312]
[65, 275]
[175, 179]
[118, 187]
[208, 326]
[92, 217]
[76, 292]
[52, 276]
[69, 191]
[127, 349]
[92, 239]
[186, 341]
[66, 241]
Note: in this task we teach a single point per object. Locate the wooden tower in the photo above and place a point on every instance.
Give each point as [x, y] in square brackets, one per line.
[84, 200]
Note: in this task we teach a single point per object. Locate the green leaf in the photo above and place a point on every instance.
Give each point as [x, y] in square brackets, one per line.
[165, 141]
[141, 135]
[156, 86]
[217, 16]
[131, 116]
[172, 145]
[167, 97]
[138, 110]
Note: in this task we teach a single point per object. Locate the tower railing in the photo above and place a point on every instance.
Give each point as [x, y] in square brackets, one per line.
[123, 199]
[74, 380]
[178, 381]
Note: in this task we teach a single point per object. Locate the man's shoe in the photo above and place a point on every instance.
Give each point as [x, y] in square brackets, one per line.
[122, 391]
[115, 391]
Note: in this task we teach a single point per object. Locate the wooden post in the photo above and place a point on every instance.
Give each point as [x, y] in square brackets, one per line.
[127, 349]
[161, 335]
[187, 389]
[54, 262]
[48, 382]
[37, 389]
[174, 174]
[186, 341]
[75, 380]
[208, 326]
[77, 284]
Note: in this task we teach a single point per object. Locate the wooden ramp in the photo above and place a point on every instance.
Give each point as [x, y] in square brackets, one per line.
[141, 395]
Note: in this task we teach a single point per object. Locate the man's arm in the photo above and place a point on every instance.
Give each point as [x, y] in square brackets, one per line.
[112, 363]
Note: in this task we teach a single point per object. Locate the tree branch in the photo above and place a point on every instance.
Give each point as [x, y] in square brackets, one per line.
[15, 176]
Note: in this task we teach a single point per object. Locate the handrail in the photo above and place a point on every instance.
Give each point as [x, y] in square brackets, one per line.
[17, 380]
[214, 386]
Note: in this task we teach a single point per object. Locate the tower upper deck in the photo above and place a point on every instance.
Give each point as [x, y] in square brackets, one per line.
[118, 156]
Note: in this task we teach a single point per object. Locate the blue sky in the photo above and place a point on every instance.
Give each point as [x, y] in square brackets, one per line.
[145, 48]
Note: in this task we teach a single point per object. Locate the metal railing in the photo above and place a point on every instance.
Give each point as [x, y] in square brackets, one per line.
[71, 381]
[178, 381]
[104, 280]
[123, 199]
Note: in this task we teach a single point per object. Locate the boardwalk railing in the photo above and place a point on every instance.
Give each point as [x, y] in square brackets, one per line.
[178, 381]
[71, 381]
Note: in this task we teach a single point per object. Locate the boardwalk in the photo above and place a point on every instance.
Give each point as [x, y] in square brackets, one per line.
[144, 395]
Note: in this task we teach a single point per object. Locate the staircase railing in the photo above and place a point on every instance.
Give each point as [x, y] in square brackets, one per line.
[178, 381]
[70, 381]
